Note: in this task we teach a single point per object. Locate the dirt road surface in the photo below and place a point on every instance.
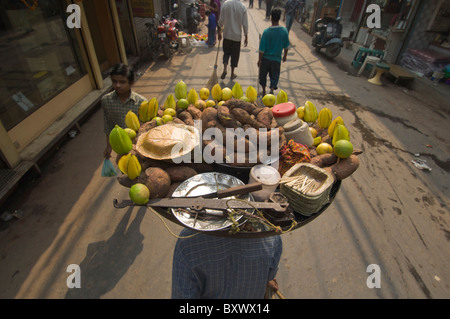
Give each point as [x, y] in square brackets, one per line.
[389, 213]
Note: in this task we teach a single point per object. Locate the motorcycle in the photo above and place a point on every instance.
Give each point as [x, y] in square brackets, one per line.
[328, 36]
[162, 35]
[193, 17]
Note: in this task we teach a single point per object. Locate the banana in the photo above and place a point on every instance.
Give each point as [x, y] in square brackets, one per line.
[129, 164]
[132, 121]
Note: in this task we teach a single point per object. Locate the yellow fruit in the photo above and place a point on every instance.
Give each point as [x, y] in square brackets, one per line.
[158, 120]
[340, 133]
[333, 124]
[343, 149]
[204, 93]
[226, 94]
[216, 92]
[132, 121]
[236, 91]
[182, 104]
[324, 148]
[325, 118]
[148, 110]
[310, 112]
[210, 103]
[120, 141]
[200, 104]
[313, 132]
[192, 96]
[220, 103]
[167, 118]
[282, 97]
[129, 164]
[139, 194]
[180, 90]
[170, 102]
[269, 100]
[251, 94]
[131, 133]
[301, 112]
[171, 112]
[317, 140]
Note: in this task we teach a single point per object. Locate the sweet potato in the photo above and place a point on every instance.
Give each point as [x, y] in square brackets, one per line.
[225, 118]
[324, 160]
[209, 114]
[186, 117]
[345, 167]
[245, 118]
[265, 117]
[157, 180]
[180, 173]
[241, 104]
[145, 127]
[195, 112]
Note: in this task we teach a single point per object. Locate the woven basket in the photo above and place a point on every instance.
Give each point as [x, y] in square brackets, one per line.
[307, 200]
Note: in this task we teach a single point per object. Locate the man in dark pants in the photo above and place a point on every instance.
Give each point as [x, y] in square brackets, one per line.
[269, 4]
[233, 20]
[273, 40]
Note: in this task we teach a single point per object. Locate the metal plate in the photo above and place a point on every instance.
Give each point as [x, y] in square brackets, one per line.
[204, 184]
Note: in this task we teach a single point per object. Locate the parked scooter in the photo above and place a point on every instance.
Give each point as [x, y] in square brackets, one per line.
[193, 17]
[328, 36]
[162, 35]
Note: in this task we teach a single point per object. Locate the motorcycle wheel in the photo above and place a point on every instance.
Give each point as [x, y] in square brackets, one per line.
[153, 49]
[333, 50]
[167, 51]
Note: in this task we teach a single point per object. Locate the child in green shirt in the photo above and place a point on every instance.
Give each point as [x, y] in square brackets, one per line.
[274, 39]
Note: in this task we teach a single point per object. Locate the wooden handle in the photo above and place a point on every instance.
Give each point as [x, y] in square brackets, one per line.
[239, 190]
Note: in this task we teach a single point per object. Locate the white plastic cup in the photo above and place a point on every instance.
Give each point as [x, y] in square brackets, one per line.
[268, 176]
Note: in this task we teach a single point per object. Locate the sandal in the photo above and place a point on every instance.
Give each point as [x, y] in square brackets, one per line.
[233, 76]
[224, 74]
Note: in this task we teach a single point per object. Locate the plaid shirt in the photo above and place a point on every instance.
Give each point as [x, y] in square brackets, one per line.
[211, 267]
[114, 111]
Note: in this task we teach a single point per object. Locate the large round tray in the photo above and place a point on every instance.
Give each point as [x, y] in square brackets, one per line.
[300, 219]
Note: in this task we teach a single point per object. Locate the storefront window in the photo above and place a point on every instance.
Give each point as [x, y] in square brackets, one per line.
[40, 56]
[394, 13]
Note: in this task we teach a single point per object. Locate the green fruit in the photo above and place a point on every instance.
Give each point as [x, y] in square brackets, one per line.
[269, 100]
[226, 94]
[182, 104]
[343, 149]
[159, 121]
[324, 148]
[139, 194]
[120, 141]
[180, 90]
[131, 133]
[167, 118]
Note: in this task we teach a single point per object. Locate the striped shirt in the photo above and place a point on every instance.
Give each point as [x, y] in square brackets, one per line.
[114, 110]
[211, 267]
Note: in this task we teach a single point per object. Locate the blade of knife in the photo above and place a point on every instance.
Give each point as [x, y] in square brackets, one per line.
[232, 191]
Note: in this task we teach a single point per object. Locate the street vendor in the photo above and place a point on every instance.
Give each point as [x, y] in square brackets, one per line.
[117, 103]
[215, 267]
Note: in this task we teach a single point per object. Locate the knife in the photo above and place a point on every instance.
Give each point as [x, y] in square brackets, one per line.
[232, 191]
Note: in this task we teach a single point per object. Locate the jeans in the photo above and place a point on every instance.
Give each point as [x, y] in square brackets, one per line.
[289, 22]
[273, 69]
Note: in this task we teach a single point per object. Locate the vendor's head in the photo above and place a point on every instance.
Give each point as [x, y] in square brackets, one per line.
[122, 78]
[276, 14]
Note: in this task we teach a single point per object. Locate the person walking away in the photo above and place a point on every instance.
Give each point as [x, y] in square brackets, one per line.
[291, 10]
[250, 3]
[212, 25]
[269, 4]
[233, 21]
[213, 267]
[122, 99]
[273, 40]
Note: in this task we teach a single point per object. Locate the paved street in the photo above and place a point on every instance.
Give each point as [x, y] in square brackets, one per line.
[389, 213]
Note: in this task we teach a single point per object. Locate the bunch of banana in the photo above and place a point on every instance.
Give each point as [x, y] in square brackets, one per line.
[310, 112]
[129, 164]
[120, 141]
[148, 110]
[132, 121]
[325, 118]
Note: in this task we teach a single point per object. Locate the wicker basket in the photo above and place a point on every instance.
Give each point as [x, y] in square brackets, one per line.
[307, 188]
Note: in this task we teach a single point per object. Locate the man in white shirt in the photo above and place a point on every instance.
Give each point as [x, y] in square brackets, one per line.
[233, 20]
